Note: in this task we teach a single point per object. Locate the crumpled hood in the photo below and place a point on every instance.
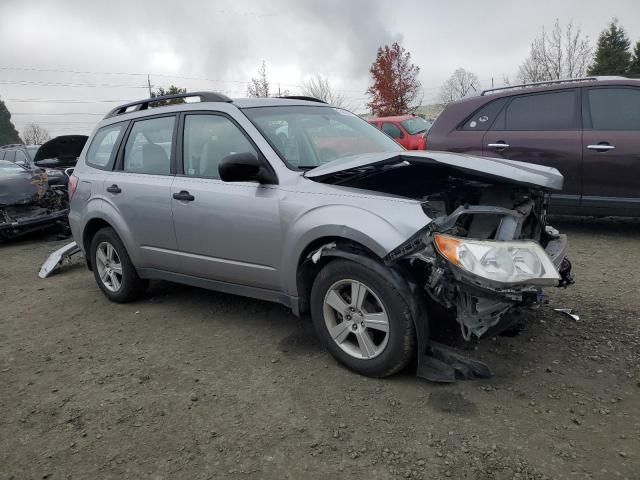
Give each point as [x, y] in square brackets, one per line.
[17, 189]
[66, 148]
[522, 173]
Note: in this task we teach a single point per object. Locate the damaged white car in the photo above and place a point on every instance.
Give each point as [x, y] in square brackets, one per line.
[294, 201]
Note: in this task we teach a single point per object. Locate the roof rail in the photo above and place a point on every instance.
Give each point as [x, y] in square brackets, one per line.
[303, 97]
[144, 104]
[550, 82]
[11, 145]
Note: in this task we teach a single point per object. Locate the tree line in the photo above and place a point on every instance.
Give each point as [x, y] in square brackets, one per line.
[561, 52]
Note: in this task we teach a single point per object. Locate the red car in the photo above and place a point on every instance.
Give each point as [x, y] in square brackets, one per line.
[408, 130]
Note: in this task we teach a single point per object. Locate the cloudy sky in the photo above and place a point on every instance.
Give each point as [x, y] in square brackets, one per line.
[63, 63]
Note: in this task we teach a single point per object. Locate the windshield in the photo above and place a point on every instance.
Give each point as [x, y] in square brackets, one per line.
[32, 150]
[415, 125]
[307, 137]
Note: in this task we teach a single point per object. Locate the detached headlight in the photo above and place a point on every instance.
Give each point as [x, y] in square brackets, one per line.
[53, 172]
[522, 261]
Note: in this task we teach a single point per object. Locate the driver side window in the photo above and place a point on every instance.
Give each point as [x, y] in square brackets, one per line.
[207, 140]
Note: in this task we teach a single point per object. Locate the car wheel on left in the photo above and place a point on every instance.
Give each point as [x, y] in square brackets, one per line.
[112, 268]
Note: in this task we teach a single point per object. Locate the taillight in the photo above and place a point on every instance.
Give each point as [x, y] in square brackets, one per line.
[73, 184]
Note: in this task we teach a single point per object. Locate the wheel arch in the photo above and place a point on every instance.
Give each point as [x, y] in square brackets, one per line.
[101, 219]
[307, 268]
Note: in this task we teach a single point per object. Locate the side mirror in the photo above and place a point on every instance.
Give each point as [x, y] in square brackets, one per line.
[240, 167]
[50, 163]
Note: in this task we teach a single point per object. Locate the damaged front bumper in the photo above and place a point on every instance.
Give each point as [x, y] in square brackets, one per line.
[13, 225]
[479, 299]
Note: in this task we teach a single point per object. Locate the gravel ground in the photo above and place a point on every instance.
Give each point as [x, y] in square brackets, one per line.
[193, 384]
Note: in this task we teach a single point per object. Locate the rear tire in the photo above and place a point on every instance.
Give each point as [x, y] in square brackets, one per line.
[112, 268]
[350, 304]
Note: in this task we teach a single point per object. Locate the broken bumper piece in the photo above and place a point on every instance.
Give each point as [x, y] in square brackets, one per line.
[25, 224]
[57, 258]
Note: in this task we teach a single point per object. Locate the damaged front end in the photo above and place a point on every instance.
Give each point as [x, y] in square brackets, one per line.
[480, 261]
[485, 249]
[28, 203]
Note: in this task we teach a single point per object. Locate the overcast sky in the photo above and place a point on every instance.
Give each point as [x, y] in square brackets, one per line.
[47, 47]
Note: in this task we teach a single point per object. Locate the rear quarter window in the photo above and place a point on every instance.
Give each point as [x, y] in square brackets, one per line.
[102, 149]
[485, 116]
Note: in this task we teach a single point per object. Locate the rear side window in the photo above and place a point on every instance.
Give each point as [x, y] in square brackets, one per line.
[10, 155]
[547, 111]
[148, 148]
[391, 130]
[483, 118]
[102, 146]
[614, 108]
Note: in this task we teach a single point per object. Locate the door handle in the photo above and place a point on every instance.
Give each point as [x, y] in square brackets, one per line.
[498, 145]
[184, 196]
[601, 147]
[114, 189]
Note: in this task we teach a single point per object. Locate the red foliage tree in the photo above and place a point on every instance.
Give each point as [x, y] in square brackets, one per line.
[395, 87]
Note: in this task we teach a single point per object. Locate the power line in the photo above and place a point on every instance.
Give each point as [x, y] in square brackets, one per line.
[66, 84]
[44, 100]
[56, 113]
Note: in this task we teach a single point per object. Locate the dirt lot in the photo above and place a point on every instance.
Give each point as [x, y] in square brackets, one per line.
[193, 384]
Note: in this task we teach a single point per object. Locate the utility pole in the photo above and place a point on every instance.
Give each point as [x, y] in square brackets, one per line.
[149, 83]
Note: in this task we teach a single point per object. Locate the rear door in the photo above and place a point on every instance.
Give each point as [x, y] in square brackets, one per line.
[226, 231]
[542, 128]
[611, 147]
[140, 190]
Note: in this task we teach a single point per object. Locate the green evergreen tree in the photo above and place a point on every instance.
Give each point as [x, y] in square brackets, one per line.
[8, 133]
[612, 54]
[634, 67]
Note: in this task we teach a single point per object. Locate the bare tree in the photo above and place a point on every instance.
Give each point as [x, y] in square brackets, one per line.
[459, 85]
[259, 86]
[560, 53]
[34, 134]
[320, 87]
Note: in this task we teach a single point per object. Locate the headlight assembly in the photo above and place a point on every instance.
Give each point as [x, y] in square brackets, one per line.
[509, 262]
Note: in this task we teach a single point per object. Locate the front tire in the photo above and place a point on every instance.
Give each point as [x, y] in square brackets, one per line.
[362, 319]
[112, 268]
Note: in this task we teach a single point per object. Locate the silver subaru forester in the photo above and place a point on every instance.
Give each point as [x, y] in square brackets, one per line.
[294, 201]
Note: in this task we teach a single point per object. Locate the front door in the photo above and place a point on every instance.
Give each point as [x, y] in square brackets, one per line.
[611, 148]
[545, 129]
[226, 231]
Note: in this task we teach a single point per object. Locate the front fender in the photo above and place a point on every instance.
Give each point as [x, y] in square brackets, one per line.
[343, 221]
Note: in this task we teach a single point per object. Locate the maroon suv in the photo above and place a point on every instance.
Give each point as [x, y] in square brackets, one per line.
[589, 129]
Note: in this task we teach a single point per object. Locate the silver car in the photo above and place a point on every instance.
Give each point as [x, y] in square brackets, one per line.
[294, 201]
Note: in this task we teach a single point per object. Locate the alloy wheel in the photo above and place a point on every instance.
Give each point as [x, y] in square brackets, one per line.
[109, 266]
[356, 319]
